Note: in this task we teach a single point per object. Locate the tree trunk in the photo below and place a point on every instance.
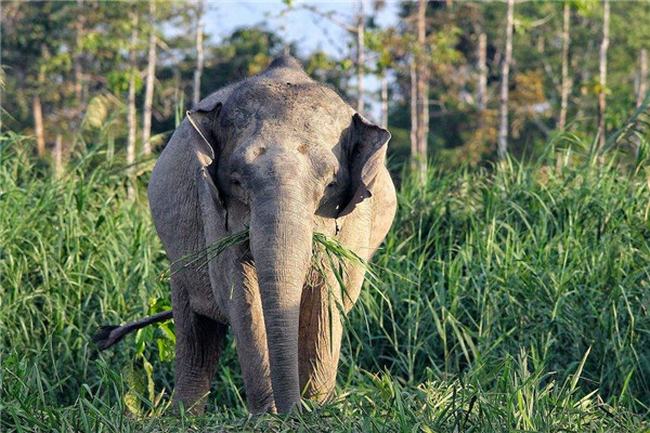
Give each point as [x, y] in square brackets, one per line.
[602, 102]
[422, 74]
[566, 81]
[151, 77]
[78, 70]
[58, 156]
[39, 130]
[584, 72]
[414, 114]
[384, 99]
[198, 72]
[361, 57]
[481, 88]
[643, 77]
[505, 73]
[130, 144]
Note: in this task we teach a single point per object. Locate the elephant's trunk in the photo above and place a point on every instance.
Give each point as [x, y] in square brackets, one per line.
[281, 242]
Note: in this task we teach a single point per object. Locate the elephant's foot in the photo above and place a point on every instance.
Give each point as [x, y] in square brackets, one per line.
[188, 397]
[320, 385]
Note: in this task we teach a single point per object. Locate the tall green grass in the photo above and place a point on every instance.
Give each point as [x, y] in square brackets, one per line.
[509, 299]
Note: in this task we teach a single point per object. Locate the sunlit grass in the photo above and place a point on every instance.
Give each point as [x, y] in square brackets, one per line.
[509, 299]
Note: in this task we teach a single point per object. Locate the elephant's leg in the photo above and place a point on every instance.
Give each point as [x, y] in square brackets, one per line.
[199, 342]
[319, 340]
[247, 321]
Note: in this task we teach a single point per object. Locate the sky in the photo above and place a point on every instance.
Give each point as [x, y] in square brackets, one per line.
[305, 30]
[302, 27]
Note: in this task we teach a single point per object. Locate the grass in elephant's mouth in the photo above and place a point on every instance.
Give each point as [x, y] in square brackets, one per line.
[202, 257]
[329, 245]
[333, 247]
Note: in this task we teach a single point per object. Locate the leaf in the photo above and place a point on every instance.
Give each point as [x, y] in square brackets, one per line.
[135, 388]
[151, 385]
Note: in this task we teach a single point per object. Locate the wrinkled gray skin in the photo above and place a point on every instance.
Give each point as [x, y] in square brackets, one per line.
[287, 158]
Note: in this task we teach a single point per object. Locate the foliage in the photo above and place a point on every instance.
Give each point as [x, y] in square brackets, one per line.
[535, 75]
[517, 301]
[94, 36]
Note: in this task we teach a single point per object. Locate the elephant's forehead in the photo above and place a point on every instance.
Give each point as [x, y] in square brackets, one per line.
[308, 110]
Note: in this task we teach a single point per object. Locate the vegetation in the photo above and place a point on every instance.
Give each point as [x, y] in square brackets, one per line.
[511, 295]
[507, 299]
[88, 72]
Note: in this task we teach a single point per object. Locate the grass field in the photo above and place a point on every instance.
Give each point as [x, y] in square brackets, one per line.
[505, 300]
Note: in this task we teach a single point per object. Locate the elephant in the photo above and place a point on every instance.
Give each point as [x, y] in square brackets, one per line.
[284, 157]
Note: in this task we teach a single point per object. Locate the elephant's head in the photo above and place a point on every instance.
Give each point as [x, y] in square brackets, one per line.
[284, 150]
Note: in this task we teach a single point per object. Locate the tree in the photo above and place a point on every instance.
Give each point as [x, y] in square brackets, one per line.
[481, 87]
[325, 68]
[246, 51]
[382, 43]
[361, 58]
[37, 107]
[422, 91]
[502, 148]
[150, 80]
[441, 60]
[39, 130]
[198, 72]
[131, 120]
[33, 60]
[79, 28]
[565, 88]
[602, 83]
[57, 156]
[413, 105]
[357, 30]
[643, 77]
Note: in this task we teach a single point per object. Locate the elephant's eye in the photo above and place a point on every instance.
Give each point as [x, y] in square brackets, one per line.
[332, 184]
[235, 182]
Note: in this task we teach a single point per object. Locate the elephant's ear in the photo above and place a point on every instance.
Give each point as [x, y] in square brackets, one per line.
[366, 152]
[203, 121]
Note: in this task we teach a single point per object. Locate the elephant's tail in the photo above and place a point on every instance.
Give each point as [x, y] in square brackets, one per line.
[109, 335]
